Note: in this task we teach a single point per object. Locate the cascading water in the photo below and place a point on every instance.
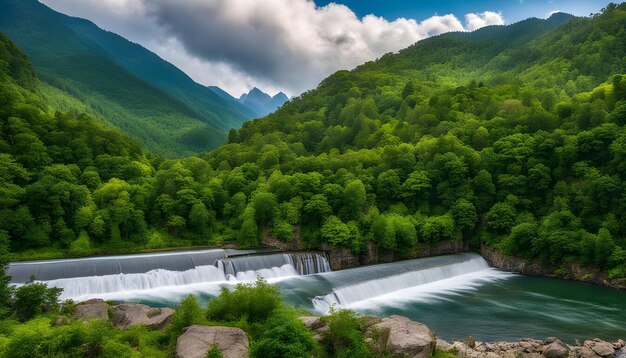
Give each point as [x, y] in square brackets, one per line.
[474, 268]
[302, 263]
[180, 270]
[21, 272]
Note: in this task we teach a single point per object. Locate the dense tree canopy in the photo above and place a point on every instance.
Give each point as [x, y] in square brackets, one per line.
[511, 136]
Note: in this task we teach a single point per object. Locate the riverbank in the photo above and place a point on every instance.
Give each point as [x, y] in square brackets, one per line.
[569, 271]
[390, 336]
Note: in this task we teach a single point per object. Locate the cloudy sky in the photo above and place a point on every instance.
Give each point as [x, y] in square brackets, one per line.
[290, 45]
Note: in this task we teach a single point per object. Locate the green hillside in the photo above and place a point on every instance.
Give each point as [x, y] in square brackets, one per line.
[119, 81]
[508, 136]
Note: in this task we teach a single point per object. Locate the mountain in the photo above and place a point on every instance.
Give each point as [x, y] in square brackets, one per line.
[510, 139]
[120, 81]
[261, 102]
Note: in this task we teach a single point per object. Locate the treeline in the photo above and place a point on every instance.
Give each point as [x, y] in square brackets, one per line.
[393, 156]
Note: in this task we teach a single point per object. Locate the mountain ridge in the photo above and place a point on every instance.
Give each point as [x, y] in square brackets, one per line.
[164, 108]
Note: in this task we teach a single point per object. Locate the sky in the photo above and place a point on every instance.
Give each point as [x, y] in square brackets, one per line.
[291, 45]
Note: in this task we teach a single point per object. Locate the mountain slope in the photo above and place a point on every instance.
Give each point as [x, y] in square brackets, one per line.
[509, 136]
[122, 82]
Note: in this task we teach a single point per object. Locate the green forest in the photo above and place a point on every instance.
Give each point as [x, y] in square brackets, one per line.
[511, 136]
[86, 69]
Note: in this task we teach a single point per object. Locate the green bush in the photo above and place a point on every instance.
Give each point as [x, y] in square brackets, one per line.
[345, 335]
[189, 312]
[253, 302]
[34, 298]
[214, 352]
[284, 336]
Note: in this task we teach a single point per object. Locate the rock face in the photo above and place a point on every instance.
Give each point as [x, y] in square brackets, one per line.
[404, 337]
[92, 309]
[529, 267]
[197, 340]
[130, 314]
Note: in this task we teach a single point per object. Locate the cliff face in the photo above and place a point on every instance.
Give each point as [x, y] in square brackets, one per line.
[342, 258]
[571, 271]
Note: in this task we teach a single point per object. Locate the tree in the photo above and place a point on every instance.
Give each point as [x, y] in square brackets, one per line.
[317, 209]
[336, 232]
[501, 217]
[604, 248]
[354, 198]
[464, 214]
[249, 232]
[265, 207]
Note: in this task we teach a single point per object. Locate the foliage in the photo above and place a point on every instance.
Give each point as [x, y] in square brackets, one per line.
[511, 135]
[34, 298]
[345, 335]
[188, 312]
[284, 336]
[253, 302]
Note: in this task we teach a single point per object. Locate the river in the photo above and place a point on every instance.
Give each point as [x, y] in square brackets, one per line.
[456, 295]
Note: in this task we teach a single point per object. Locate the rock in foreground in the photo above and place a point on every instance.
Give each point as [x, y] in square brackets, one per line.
[92, 309]
[197, 340]
[131, 314]
[401, 336]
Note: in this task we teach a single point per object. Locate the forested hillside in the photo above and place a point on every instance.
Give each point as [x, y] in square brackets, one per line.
[511, 136]
[119, 81]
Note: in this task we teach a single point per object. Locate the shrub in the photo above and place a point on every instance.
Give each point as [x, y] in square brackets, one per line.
[284, 336]
[214, 352]
[345, 335]
[34, 298]
[254, 302]
[189, 312]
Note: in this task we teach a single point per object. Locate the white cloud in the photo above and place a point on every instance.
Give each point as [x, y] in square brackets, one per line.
[476, 21]
[552, 13]
[275, 45]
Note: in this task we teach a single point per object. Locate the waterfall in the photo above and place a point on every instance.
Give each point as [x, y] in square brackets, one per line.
[85, 278]
[455, 274]
[302, 263]
[21, 272]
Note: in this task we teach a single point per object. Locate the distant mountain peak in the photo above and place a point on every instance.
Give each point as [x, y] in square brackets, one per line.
[261, 102]
[280, 96]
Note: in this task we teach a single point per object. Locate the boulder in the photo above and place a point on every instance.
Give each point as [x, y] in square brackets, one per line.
[405, 337]
[601, 348]
[92, 309]
[312, 322]
[585, 352]
[130, 314]
[196, 341]
[556, 349]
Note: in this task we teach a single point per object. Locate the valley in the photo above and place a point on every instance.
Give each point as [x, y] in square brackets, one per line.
[473, 181]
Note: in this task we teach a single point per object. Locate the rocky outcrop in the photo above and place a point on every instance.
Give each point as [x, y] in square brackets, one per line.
[294, 245]
[131, 314]
[196, 341]
[549, 348]
[92, 309]
[312, 322]
[571, 271]
[341, 258]
[400, 336]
